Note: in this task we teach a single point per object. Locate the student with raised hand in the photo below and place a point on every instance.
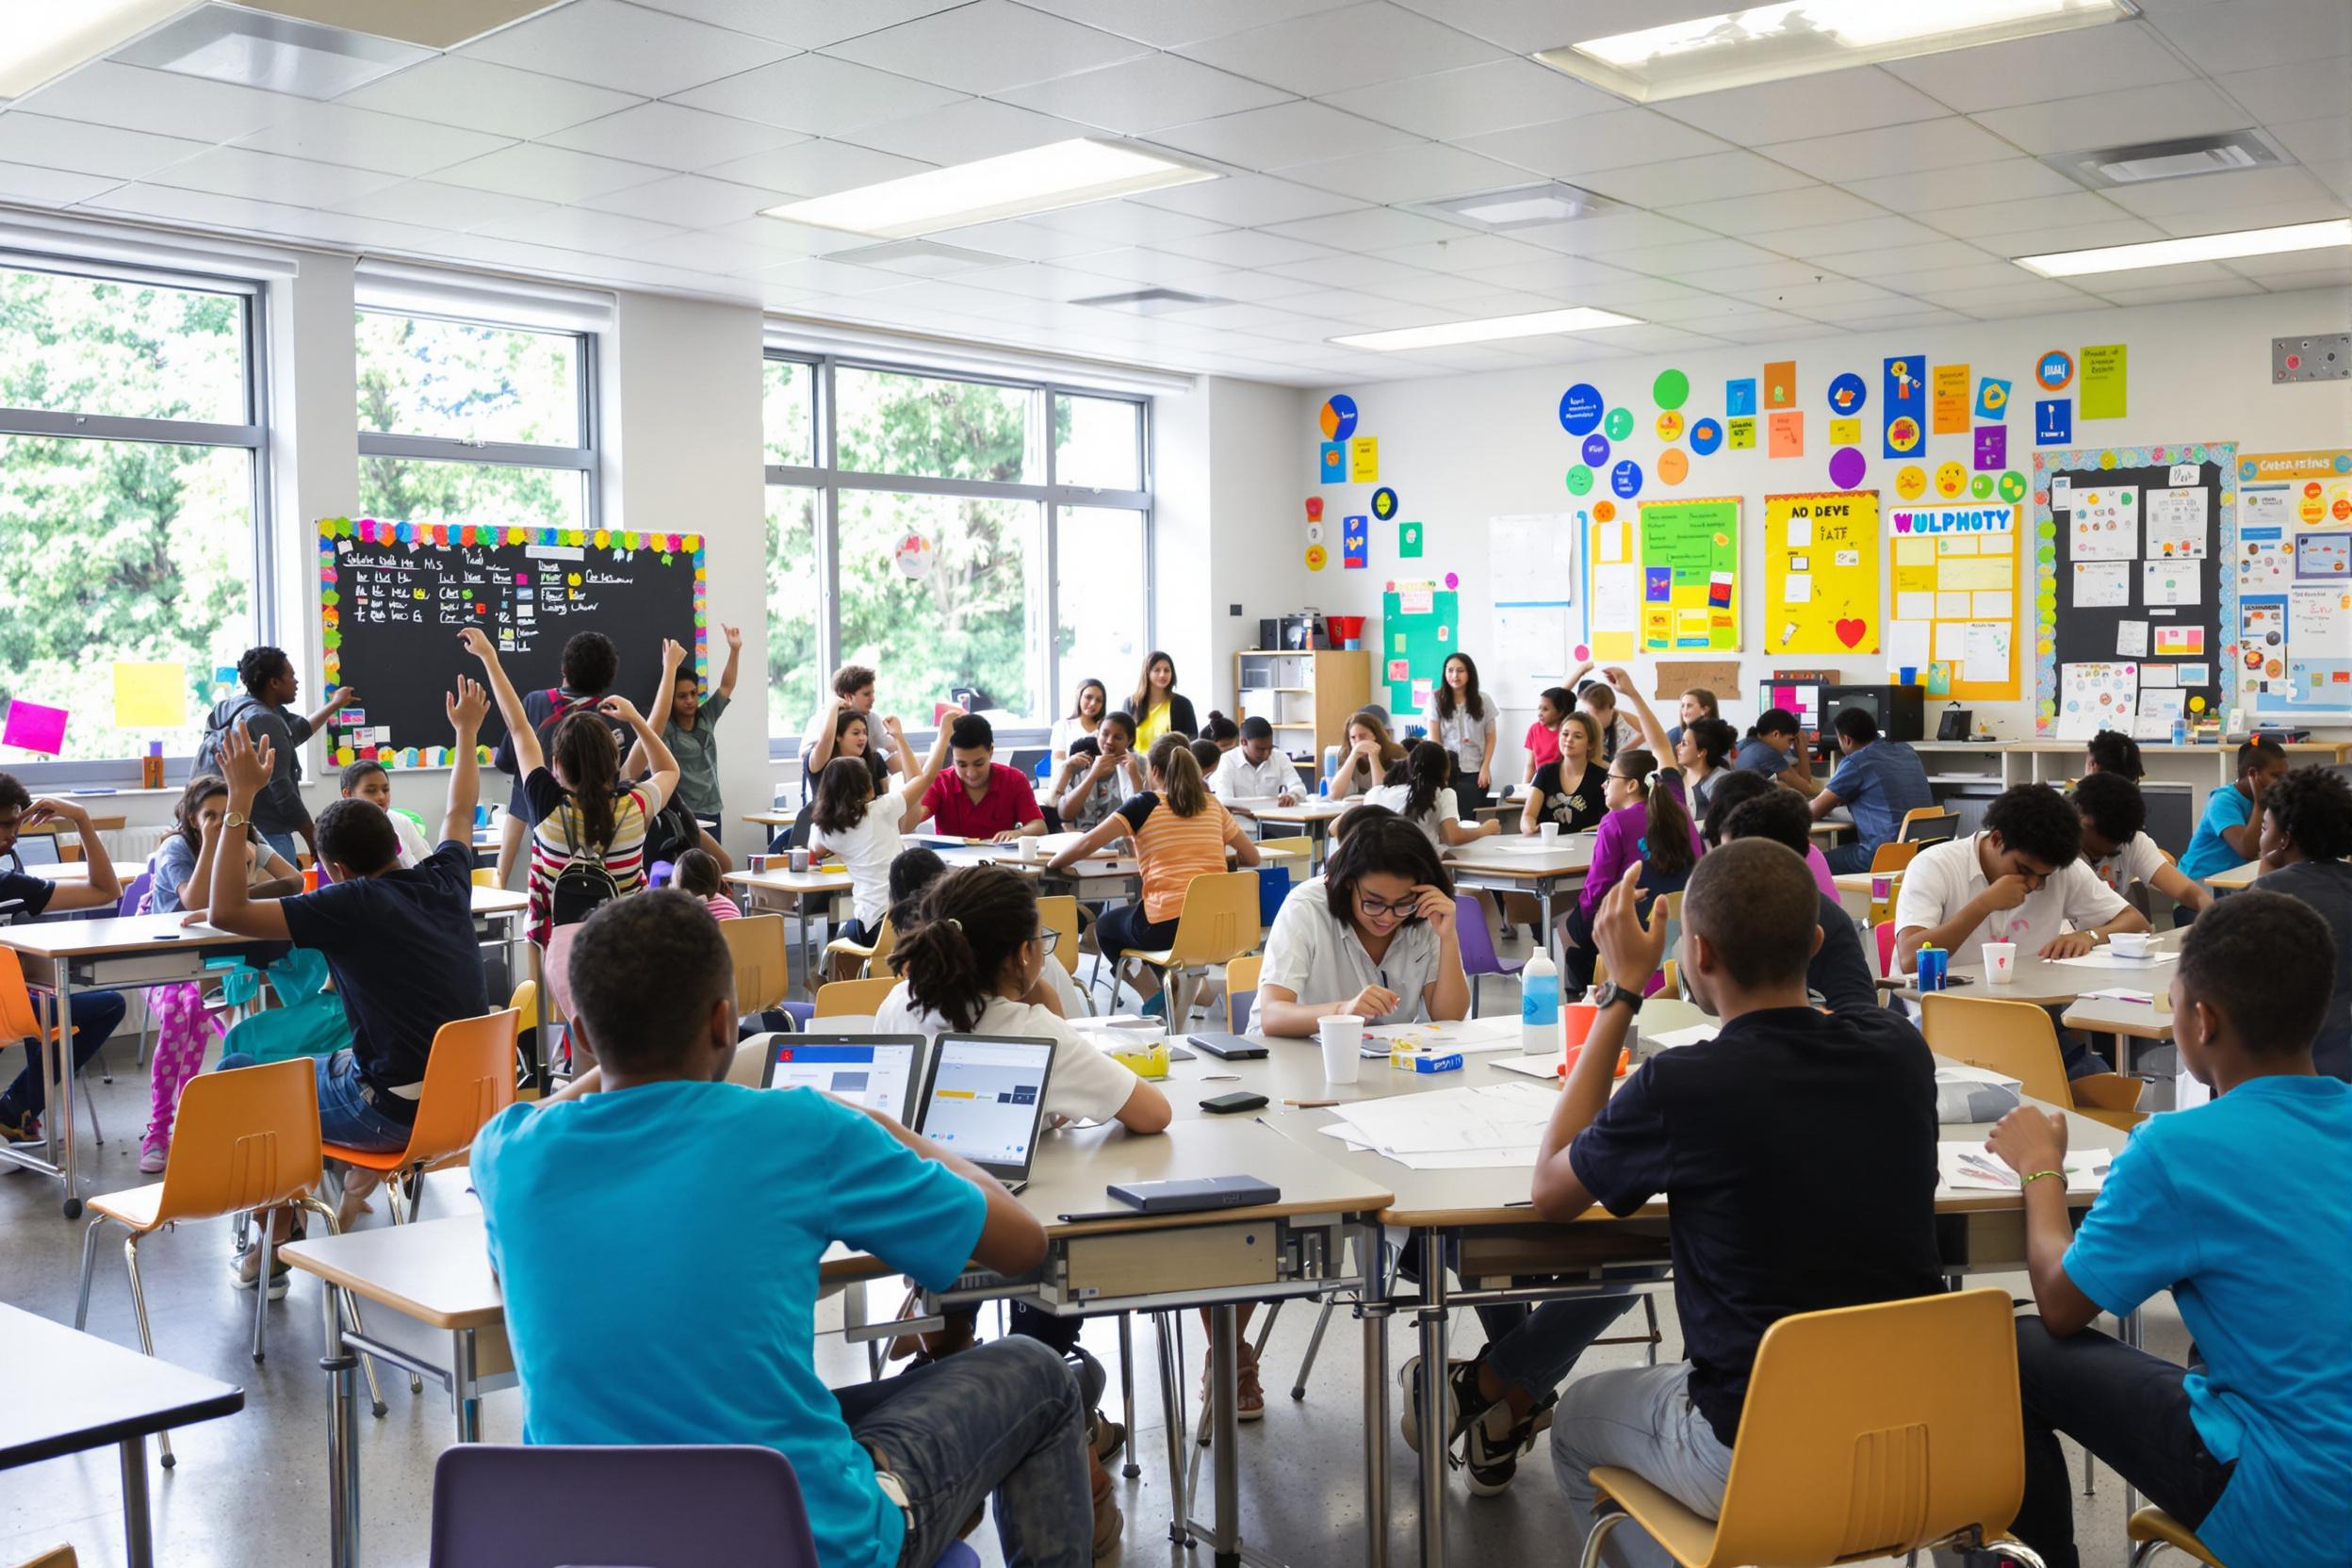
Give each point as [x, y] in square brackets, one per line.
[590, 667]
[1783, 1100]
[1428, 802]
[1839, 974]
[1461, 719]
[855, 736]
[398, 941]
[852, 692]
[1647, 825]
[866, 828]
[2230, 832]
[1570, 788]
[1879, 782]
[2116, 843]
[2112, 751]
[1102, 770]
[367, 780]
[1542, 741]
[1256, 769]
[1084, 719]
[687, 718]
[92, 1014]
[1157, 708]
[2018, 879]
[267, 711]
[1371, 751]
[714, 1316]
[1774, 747]
[575, 797]
[1735, 789]
[2306, 843]
[2239, 1209]
[1618, 732]
[1373, 936]
[980, 797]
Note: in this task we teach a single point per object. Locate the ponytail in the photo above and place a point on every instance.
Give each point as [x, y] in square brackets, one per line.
[1428, 769]
[584, 748]
[1667, 833]
[1181, 783]
[967, 924]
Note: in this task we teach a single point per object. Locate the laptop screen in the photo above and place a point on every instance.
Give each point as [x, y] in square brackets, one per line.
[986, 1098]
[876, 1071]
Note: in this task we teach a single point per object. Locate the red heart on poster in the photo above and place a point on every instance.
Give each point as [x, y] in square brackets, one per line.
[1849, 632]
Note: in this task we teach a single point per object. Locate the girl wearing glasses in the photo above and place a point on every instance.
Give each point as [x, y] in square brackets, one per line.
[1373, 936]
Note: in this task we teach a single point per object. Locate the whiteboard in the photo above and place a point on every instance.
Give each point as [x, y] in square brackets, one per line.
[1530, 651]
[1531, 561]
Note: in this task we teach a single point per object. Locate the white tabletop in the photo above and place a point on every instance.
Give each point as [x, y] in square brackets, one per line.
[70, 939]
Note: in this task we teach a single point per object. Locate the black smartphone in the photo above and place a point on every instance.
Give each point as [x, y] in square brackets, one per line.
[1226, 1105]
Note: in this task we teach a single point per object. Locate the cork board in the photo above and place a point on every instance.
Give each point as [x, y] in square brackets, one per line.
[1677, 676]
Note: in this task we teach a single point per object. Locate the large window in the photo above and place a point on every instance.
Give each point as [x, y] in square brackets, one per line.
[460, 421]
[130, 446]
[983, 537]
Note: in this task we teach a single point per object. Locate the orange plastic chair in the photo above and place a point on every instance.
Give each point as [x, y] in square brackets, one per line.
[245, 1142]
[2019, 1039]
[1896, 856]
[850, 998]
[2152, 1528]
[470, 1078]
[1869, 1432]
[1220, 923]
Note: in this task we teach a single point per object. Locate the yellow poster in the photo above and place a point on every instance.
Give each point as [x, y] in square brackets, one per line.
[1363, 460]
[1820, 572]
[1690, 575]
[1954, 581]
[1614, 602]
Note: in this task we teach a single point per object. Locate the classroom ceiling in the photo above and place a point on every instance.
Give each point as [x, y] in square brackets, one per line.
[634, 142]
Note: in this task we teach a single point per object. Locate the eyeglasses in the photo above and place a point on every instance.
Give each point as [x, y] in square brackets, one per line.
[1047, 939]
[1376, 906]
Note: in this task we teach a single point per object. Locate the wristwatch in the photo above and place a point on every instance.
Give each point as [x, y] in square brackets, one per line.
[1610, 991]
[234, 820]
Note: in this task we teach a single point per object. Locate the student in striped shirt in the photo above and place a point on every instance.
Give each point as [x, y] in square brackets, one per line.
[1180, 832]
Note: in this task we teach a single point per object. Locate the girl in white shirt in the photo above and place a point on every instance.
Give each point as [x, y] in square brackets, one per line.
[1373, 936]
[851, 821]
[1085, 715]
[1371, 751]
[1462, 720]
[1425, 801]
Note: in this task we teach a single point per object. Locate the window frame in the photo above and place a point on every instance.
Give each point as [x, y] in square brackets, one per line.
[828, 479]
[252, 436]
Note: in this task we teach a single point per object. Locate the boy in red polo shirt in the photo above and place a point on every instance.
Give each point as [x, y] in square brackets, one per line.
[979, 797]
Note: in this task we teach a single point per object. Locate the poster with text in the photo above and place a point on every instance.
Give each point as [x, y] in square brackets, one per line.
[1690, 575]
[1820, 572]
[2294, 561]
[1954, 585]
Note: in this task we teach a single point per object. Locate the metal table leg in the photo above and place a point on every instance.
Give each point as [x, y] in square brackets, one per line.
[463, 1391]
[1127, 1389]
[1375, 1315]
[138, 1545]
[1172, 1419]
[60, 1060]
[1225, 1400]
[1433, 1431]
[342, 1437]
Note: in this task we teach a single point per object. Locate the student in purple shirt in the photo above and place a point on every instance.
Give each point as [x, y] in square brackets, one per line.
[1647, 822]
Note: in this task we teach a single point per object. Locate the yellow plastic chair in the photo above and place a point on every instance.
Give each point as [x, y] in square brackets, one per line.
[470, 1078]
[2019, 1039]
[1883, 909]
[1893, 857]
[1059, 915]
[1219, 924]
[1927, 825]
[2151, 1529]
[851, 998]
[485, 876]
[869, 955]
[1869, 1432]
[1241, 986]
[763, 961]
[245, 1142]
[1302, 846]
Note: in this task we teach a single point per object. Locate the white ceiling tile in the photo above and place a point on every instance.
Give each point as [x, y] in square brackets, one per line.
[50, 187]
[1137, 264]
[1892, 150]
[1281, 135]
[164, 103]
[1253, 287]
[836, 277]
[815, 167]
[1711, 177]
[626, 48]
[1165, 26]
[1240, 317]
[2015, 309]
[1491, 97]
[1424, 172]
[577, 229]
[1511, 303]
[1966, 186]
[1124, 223]
[987, 46]
[2240, 187]
[2112, 119]
[1635, 293]
[548, 173]
[1338, 305]
[2253, 33]
[1615, 231]
[79, 148]
[1334, 51]
[2034, 70]
[960, 132]
[818, 94]
[1551, 274]
[362, 139]
[2027, 290]
[1690, 255]
[1915, 316]
[1368, 229]
[296, 182]
[1145, 95]
[2108, 285]
[1363, 273]
[441, 207]
[2059, 213]
[1243, 248]
[2074, 236]
[2166, 294]
[1430, 288]
[2325, 139]
[479, 96]
[1039, 281]
[1620, 137]
[1984, 273]
[1023, 241]
[1821, 239]
[688, 201]
[1463, 253]
[1701, 311]
[374, 233]
[2288, 284]
[1782, 210]
[2294, 90]
[1823, 104]
[2336, 264]
[1246, 199]
[703, 253]
[808, 24]
[782, 237]
[1814, 296]
[2311, 209]
[673, 136]
[198, 206]
[1776, 273]
[1895, 264]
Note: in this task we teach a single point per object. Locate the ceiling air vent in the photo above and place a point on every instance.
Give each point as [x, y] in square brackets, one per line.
[922, 258]
[1150, 301]
[229, 43]
[2221, 153]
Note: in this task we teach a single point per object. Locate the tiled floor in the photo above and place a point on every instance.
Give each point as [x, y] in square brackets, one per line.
[249, 1491]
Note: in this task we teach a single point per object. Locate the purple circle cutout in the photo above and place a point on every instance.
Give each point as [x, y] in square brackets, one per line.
[1846, 467]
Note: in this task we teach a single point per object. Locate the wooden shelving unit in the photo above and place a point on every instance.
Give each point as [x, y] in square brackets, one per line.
[1308, 697]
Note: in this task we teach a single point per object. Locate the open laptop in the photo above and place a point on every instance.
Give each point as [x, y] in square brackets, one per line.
[878, 1072]
[985, 1099]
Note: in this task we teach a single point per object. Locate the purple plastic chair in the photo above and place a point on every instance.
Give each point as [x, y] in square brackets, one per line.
[133, 900]
[1477, 945]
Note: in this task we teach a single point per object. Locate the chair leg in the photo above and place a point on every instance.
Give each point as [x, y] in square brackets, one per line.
[146, 1334]
[1127, 1389]
[1171, 1331]
[1601, 1528]
[1649, 1311]
[89, 1101]
[350, 1307]
[1314, 1347]
[89, 1263]
[268, 1220]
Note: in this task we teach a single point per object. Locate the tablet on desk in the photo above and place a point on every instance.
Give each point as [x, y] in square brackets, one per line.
[985, 1099]
[876, 1071]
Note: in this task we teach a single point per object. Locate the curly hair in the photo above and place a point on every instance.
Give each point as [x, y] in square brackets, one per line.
[2313, 807]
[2037, 821]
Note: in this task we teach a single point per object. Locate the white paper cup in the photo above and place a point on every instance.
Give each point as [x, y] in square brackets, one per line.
[1342, 1035]
[1029, 849]
[2130, 944]
[2001, 963]
[1548, 832]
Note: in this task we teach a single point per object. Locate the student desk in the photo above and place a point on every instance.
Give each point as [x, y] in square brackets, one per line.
[1854, 890]
[2054, 983]
[1519, 864]
[133, 951]
[2236, 879]
[62, 871]
[1314, 814]
[74, 1391]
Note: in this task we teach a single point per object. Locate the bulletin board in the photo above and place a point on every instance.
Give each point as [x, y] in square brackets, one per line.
[2294, 568]
[1419, 626]
[1612, 599]
[1690, 575]
[1821, 572]
[2130, 597]
[1955, 599]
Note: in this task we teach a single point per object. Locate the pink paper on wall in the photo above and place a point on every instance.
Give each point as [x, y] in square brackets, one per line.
[32, 727]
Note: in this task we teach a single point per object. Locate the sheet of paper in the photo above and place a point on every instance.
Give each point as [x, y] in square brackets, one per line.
[1907, 644]
[1470, 1119]
[1469, 1035]
[2176, 525]
[1913, 551]
[1697, 1034]
[1974, 571]
[2102, 586]
[2130, 639]
[2095, 696]
[1993, 607]
[1985, 651]
[1797, 589]
[1919, 606]
[1956, 544]
[1800, 533]
[2159, 705]
[150, 695]
[2180, 642]
[2107, 957]
[1967, 1167]
[2317, 617]
[2159, 676]
[1966, 1072]
[1951, 606]
[2171, 583]
[2106, 524]
[1611, 538]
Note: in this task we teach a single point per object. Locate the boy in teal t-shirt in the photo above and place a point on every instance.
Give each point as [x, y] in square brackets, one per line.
[2230, 832]
[727, 1196]
[2240, 1209]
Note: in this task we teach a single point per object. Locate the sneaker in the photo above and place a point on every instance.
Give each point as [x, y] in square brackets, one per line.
[1109, 1524]
[1104, 1435]
[1492, 1442]
[1490, 1449]
[247, 1270]
[1464, 1402]
[153, 1151]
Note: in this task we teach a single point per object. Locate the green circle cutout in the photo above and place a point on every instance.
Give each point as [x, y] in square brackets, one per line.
[1580, 480]
[1672, 389]
[1619, 424]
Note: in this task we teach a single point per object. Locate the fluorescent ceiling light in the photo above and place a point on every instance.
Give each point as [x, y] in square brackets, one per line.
[1521, 206]
[1060, 174]
[1581, 318]
[2202, 247]
[1764, 44]
[42, 40]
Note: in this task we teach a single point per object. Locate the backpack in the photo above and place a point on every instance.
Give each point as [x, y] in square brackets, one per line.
[670, 832]
[582, 888]
[208, 744]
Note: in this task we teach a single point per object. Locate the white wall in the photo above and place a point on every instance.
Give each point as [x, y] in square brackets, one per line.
[1459, 449]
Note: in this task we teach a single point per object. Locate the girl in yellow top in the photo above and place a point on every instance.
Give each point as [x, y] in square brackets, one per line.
[1180, 832]
[1157, 708]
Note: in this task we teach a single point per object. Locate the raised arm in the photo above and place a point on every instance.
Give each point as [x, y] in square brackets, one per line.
[734, 635]
[465, 708]
[663, 782]
[247, 768]
[828, 724]
[2245, 839]
[919, 782]
[672, 660]
[1652, 732]
[1447, 994]
[344, 696]
[519, 734]
[103, 886]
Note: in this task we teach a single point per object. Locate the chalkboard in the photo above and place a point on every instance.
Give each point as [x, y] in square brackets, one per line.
[392, 597]
[2131, 551]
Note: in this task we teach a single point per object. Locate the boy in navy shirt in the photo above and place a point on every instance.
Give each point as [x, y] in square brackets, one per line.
[708, 1334]
[2239, 1208]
